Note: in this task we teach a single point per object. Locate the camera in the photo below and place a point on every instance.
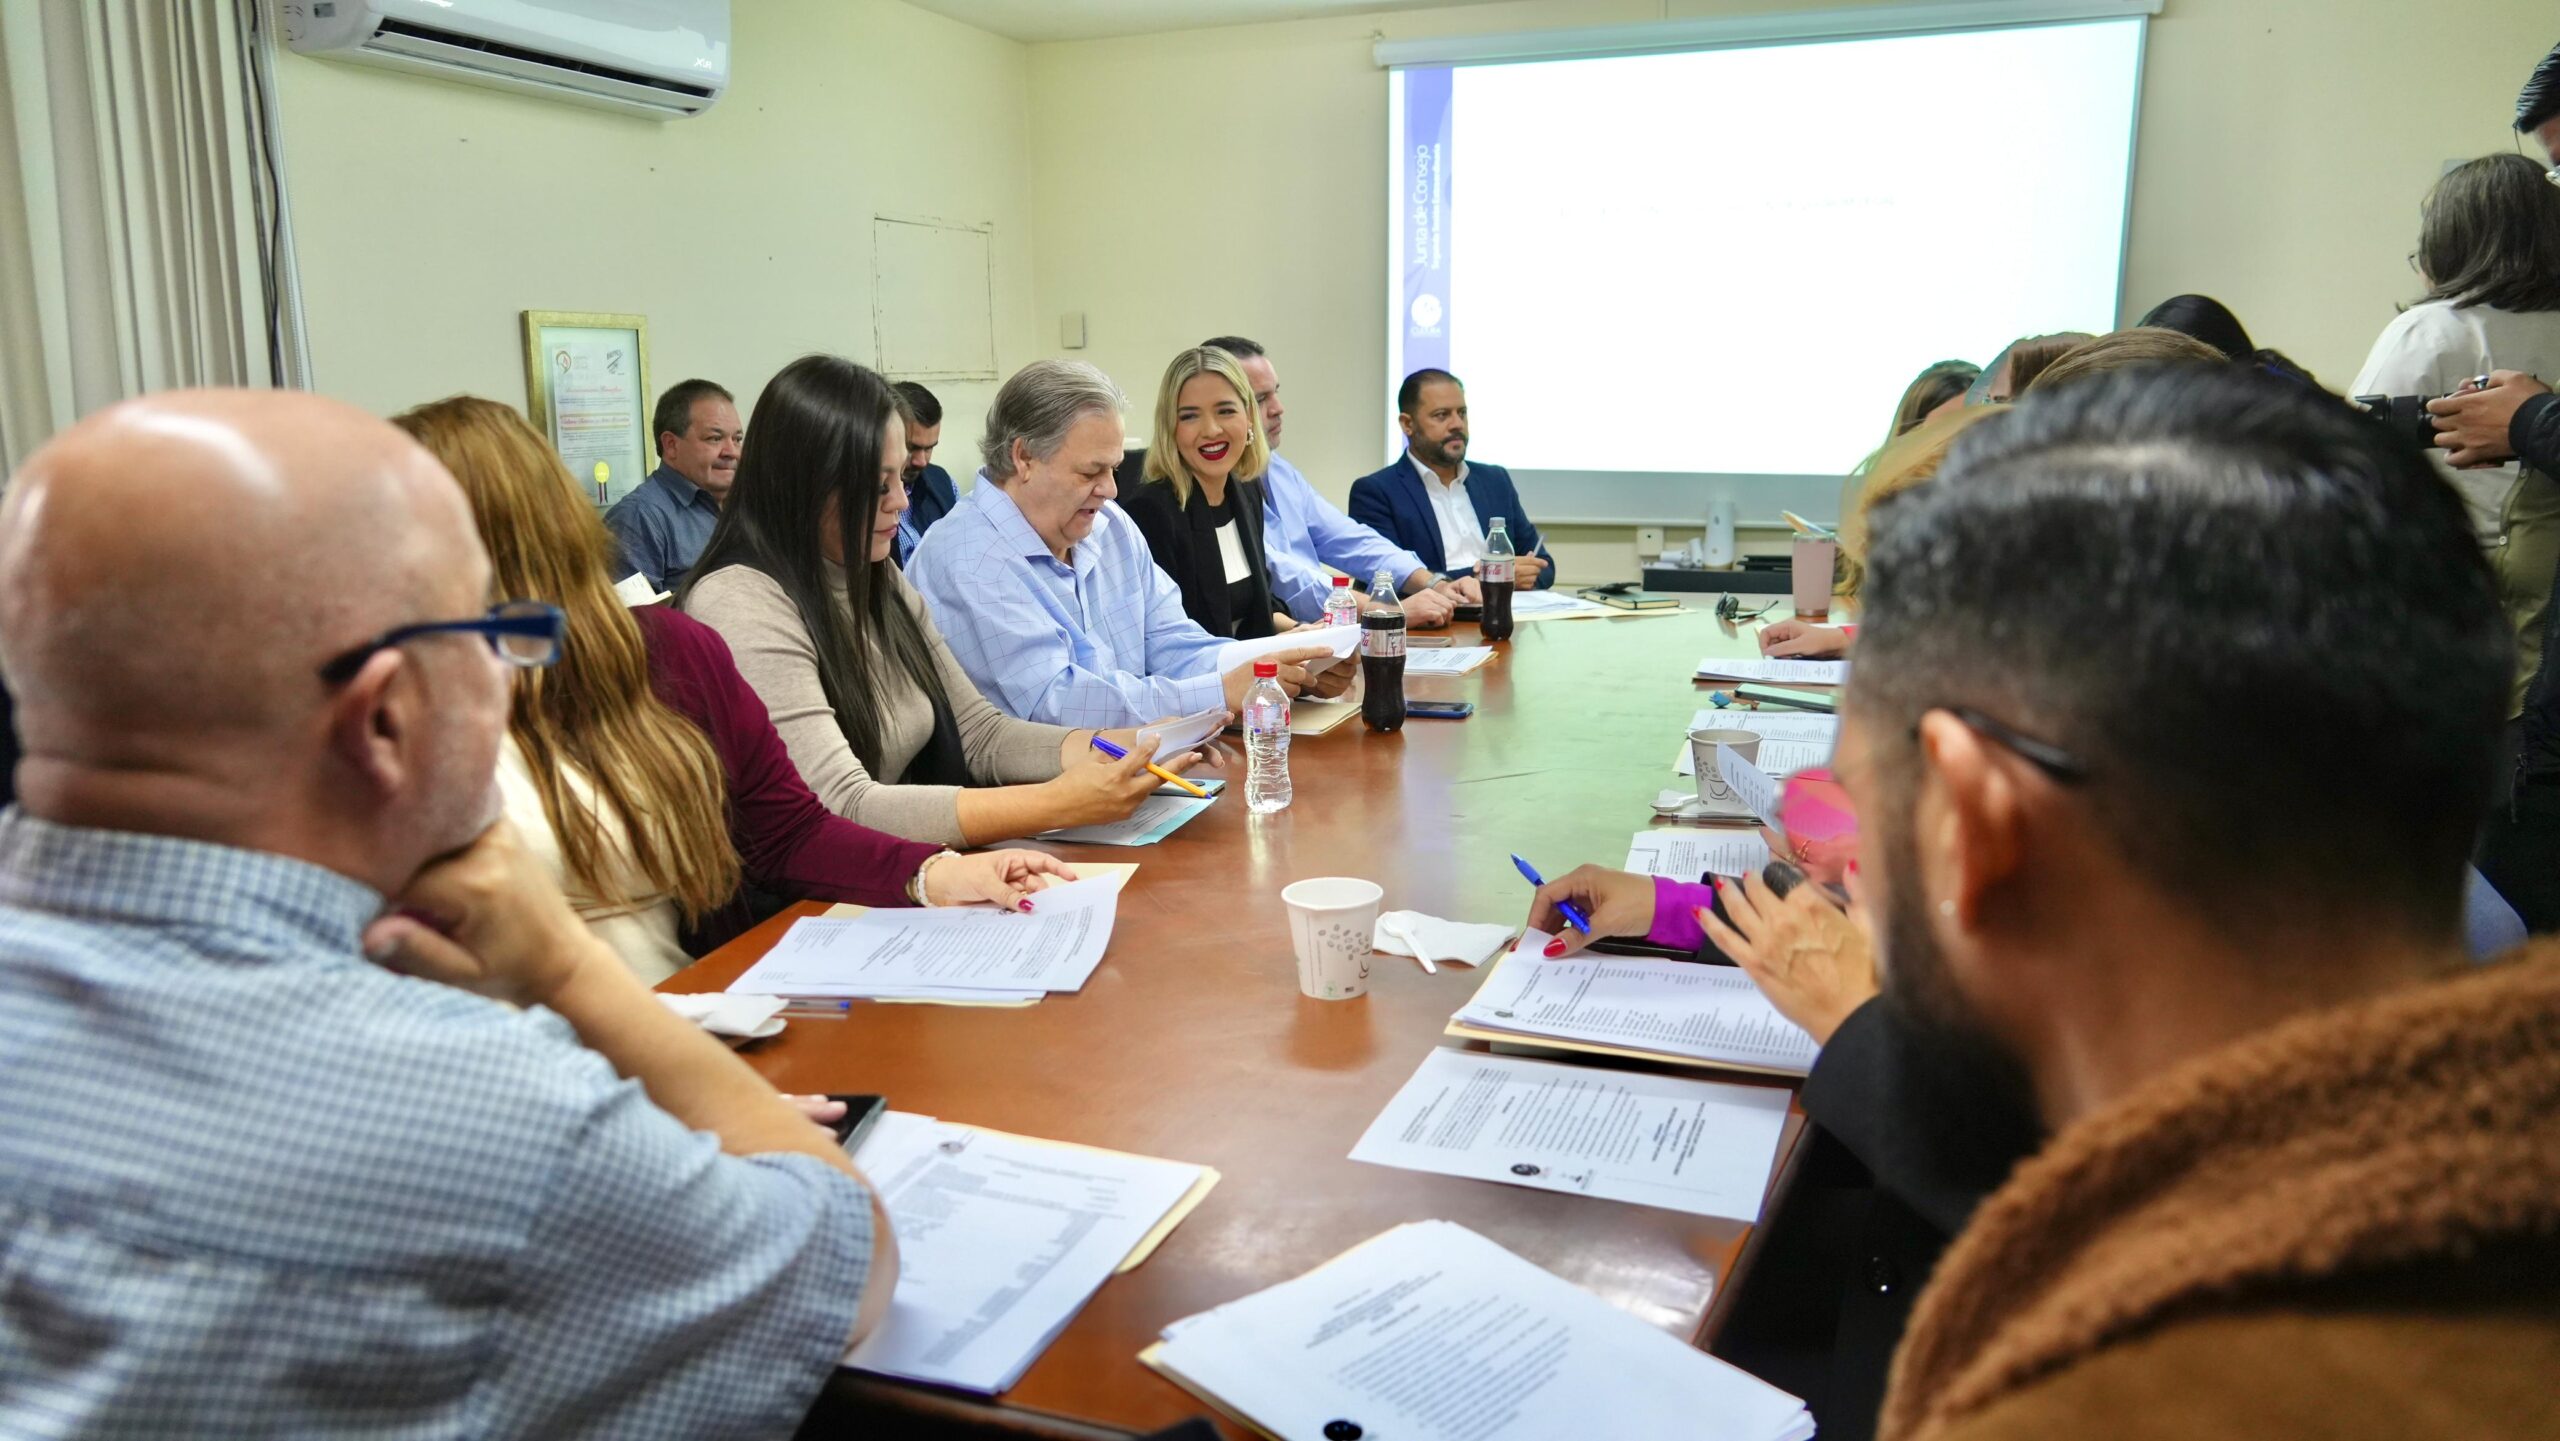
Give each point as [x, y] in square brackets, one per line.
[2404, 416]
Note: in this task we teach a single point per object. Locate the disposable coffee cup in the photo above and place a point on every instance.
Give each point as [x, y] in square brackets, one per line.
[1813, 568]
[1331, 920]
[1713, 793]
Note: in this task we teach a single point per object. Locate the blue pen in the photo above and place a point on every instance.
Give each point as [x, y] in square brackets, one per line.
[1160, 773]
[1571, 911]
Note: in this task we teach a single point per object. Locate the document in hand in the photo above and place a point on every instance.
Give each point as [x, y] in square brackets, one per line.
[943, 949]
[1344, 639]
[1430, 1332]
[1001, 1240]
[1705, 1147]
[1189, 732]
[1678, 1011]
[1690, 855]
[1774, 672]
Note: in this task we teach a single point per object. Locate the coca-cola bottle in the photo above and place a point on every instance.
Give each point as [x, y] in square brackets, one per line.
[1494, 573]
[1382, 657]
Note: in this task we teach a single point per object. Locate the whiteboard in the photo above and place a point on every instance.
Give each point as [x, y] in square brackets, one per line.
[932, 299]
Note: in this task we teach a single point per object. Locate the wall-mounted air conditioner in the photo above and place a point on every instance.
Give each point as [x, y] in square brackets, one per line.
[664, 58]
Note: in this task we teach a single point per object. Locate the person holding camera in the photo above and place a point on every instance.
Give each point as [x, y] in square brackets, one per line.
[2489, 252]
[2514, 416]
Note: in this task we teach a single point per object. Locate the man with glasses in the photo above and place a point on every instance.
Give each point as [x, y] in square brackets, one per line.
[317, 1115]
[2162, 838]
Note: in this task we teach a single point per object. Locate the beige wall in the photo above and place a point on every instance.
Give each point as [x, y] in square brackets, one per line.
[429, 213]
[1234, 179]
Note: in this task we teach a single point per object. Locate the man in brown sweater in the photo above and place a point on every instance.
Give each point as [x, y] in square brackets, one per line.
[2175, 711]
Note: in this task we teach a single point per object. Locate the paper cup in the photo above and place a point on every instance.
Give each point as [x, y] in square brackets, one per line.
[1330, 922]
[1713, 793]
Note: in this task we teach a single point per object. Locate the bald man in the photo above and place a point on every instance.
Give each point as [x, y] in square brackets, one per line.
[275, 1159]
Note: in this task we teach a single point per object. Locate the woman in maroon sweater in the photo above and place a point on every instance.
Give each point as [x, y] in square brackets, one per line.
[642, 763]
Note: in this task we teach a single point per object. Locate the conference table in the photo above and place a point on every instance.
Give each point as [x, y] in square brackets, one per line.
[1192, 1042]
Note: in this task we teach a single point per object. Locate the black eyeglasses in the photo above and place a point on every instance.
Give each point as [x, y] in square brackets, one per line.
[523, 633]
[2044, 755]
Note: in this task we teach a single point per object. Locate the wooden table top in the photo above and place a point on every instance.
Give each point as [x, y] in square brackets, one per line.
[1191, 1041]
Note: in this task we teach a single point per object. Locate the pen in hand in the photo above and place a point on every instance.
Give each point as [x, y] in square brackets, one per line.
[1159, 772]
[1571, 911]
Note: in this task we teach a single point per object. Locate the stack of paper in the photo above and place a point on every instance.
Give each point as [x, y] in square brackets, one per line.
[1001, 1240]
[1789, 740]
[1446, 660]
[1690, 855]
[967, 952]
[1774, 672]
[1678, 1011]
[1433, 1333]
[1161, 814]
[1705, 1147]
[1528, 605]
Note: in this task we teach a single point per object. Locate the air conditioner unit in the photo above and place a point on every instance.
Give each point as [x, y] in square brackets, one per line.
[662, 58]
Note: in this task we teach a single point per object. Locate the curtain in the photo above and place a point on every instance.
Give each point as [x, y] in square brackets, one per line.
[142, 241]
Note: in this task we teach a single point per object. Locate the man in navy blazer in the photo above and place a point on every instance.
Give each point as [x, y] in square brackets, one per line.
[930, 493]
[1435, 504]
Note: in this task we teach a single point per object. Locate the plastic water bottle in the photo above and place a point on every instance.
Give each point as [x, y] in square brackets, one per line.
[1382, 658]
[1495, 573]
[1266, 741]
[1342, 605]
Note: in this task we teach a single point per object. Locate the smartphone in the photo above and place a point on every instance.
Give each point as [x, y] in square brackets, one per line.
[1440, 709]
[861, 1113]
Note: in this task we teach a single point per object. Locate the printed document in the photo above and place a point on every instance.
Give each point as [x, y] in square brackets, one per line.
[937, 949]
[1433, 1333]
[1757, 789]
[1547, 605]
[1189, 732]
[1774, 672]
[1158, 816]
[1688, 855]
[1001, 1240]
[1705, 1147]
[1446, 660]
[1681, 1009]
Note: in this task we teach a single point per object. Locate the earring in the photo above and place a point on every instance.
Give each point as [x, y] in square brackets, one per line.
[1947, 909]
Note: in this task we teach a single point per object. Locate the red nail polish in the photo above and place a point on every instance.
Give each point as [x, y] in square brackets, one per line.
[1026, 907]
[1556, 946]
[1701, 914]
[1853, 868]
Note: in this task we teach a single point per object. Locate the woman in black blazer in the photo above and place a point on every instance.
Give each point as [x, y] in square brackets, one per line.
[1199, 501]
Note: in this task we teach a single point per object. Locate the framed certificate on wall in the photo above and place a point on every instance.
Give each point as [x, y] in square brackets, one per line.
[586, 381]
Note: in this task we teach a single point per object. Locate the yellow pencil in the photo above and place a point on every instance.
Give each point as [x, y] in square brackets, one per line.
[1159, 772]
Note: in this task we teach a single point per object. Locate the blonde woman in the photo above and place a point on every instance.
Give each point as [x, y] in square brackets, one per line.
[1912, 460]
[641, 764]
[1200, 503]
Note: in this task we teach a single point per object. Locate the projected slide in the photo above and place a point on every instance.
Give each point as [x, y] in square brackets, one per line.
[1730, 262]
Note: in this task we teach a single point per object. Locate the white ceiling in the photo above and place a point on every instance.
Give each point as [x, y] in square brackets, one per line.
[1039, 20]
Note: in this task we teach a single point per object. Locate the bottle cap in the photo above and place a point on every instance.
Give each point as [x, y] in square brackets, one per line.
[1266, 669]
[1342, 580]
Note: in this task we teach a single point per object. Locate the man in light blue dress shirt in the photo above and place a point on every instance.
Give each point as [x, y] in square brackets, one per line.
[1046, 591]
[268, 1165]
[1302, 532]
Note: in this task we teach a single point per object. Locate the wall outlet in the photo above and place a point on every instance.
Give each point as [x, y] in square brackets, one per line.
[1648, 540]
[1071, 330]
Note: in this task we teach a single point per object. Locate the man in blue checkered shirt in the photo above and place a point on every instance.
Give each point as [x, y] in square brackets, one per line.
[1046, 591]
[274, 1160]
